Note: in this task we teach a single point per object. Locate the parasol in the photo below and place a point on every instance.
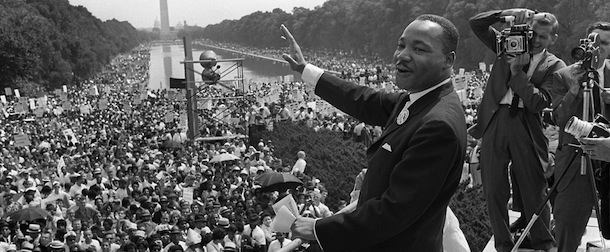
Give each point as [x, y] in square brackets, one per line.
[28, 214]
[278, 181]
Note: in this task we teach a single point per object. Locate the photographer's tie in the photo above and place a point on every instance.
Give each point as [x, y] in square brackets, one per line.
[597, 105]
[514, 104]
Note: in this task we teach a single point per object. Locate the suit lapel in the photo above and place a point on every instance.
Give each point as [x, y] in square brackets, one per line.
[417, 107]
[540, 70]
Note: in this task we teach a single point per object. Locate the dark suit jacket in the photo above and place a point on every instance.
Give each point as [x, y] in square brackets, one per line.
[535, 93]
[566, 105]
[409, 182]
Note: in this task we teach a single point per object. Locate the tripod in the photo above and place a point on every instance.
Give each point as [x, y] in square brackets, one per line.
[586, 166]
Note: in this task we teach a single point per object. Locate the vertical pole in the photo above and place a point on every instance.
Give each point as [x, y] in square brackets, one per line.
[191, 90]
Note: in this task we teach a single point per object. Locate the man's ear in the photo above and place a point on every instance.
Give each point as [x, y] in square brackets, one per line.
[553, 39]
[449, 60]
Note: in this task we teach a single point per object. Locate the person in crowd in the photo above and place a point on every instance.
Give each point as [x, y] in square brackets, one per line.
[175, 237]
[255, 232]
[215, 245]
[85, 213]
[573, 202]
[279, 243]
[232, 236]
[266, 227]
[425, 123]
[299, 166]
[88, 243]
[78, 186]
[509, 124]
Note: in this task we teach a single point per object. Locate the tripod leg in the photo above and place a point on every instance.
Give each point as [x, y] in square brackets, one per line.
[595, 198]
[543, 204]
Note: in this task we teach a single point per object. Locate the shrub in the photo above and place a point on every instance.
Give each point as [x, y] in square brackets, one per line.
[469, 207]
[330, 158]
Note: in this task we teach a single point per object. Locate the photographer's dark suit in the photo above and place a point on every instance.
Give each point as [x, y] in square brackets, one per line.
[574, 201]
[414, 169]
[517, 138]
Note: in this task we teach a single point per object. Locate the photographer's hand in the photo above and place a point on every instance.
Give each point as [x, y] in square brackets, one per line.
[517, 63]
[573, 79]
[521, 15]
[295, 58]
[597, 148]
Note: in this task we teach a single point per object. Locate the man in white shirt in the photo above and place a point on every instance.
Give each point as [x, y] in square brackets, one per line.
[299, 165]
[509, 124]
[255, 232]
[280, 242]
[78, 186]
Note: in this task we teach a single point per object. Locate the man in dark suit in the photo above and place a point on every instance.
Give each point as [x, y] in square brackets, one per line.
[510, 125]
[574, 199]
[415, 165]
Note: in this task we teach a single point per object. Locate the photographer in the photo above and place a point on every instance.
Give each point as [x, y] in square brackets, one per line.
[573, 202]
[509, 120]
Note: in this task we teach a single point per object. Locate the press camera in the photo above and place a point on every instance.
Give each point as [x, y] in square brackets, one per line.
[515, 39]
[588, 52]
[599, 128]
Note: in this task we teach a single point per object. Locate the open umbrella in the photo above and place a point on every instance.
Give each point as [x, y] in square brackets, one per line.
[28, 214]
[278, 181]
[223, 157]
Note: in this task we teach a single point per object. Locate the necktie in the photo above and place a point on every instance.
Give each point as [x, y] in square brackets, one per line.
[597, 105]
[514, 104]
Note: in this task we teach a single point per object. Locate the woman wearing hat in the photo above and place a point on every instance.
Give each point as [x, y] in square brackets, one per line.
[5, 232]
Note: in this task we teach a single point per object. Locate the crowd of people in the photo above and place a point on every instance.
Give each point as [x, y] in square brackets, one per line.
[112, 171]
[109, 163]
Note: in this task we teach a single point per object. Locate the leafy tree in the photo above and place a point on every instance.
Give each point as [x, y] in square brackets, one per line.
[49, 43]
[372, 27]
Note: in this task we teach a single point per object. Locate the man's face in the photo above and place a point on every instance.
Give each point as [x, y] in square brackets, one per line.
[76, 225]
[6, 232]
[419, 58]
[81, 201]
[109, 238]
[174, 238]
[604, 43]
[124, 240]
[543, 37]
[45, 239]
[88, 235]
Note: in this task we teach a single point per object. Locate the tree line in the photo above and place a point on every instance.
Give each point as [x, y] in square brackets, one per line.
[49, 43]
[374, 26]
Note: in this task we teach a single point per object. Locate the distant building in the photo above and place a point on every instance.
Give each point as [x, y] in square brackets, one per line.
[157, 24]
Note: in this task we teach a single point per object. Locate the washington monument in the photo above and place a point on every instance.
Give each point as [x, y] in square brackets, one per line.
[164, 19]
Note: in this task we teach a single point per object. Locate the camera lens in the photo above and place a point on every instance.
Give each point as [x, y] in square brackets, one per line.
[513, 44]
[578, 53]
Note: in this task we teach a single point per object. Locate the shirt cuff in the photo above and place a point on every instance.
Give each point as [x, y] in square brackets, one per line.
[315, 234]
[311, 74]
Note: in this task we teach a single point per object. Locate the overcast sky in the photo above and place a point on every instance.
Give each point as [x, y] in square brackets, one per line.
[142, 13]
